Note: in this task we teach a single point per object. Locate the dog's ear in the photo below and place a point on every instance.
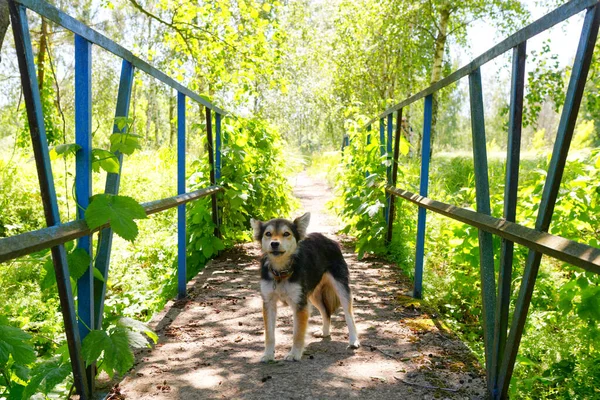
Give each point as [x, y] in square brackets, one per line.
[301, 224]
[258, 227]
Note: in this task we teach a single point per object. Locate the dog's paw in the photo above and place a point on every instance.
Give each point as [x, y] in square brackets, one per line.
[267, 357]
[294, 355]
[319, 334]
[354, 344]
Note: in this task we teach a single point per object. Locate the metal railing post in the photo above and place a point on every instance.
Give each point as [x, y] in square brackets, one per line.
[423, 190]
[83, 185]
[394, 178]
[181, 189]
[112, 186]
[211, 162]
[581, 65]
[482, 189]
[31, 94]
[513, 155]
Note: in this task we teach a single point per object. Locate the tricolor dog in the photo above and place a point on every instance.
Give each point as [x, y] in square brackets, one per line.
[296, 268]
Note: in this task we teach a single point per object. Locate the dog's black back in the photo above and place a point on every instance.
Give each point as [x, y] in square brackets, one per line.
[316, 255]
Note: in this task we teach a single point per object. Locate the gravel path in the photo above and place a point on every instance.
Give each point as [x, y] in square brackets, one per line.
[210, 343]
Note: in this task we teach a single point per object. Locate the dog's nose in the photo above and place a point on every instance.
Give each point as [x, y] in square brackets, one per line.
[275, 245]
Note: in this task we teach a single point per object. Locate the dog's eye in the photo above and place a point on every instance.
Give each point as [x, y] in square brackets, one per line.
[286, 234]
[268, 234]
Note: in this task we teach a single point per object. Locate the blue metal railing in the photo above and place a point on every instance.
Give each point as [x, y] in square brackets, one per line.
[91, 292]
[502, 344]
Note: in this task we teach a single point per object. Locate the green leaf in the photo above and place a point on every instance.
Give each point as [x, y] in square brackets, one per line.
[46, 376]
[114, 348]
[119, 211]
[79, 261]
[120, 357]
[93, 345]
[125, 143]
[16, 392]
[15, 342]
[138, 326]
[63, 150]
[98, 275]
[49, 280]
[106, 160]
[217, 244]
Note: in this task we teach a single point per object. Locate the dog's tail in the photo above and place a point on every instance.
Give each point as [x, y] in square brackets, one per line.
[330, 299]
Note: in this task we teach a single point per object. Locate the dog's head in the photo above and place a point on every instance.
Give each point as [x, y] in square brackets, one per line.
[279, 237]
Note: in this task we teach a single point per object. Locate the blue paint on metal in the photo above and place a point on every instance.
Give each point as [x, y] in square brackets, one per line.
[83, 177]
[423, 191]
[381, 136]
[218, 147]
[181, 184]
[369, 135]
[388, 159]
[112, 187]
[31, 94]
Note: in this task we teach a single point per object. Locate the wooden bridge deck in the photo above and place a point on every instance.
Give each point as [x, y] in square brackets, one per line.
[210, 344]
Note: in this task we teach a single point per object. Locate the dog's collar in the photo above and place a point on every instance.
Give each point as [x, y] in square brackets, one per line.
[281, 275]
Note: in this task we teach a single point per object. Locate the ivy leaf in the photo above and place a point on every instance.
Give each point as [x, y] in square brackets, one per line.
[106, 160]
[125, 143]
[15, 342]
[79, 261]
[119, 211]
[63, 150]
[46, 376]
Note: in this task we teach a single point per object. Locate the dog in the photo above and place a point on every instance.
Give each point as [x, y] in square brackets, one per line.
[297, 268]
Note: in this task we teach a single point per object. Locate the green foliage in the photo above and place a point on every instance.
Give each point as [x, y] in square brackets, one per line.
[361, 189]
[119, 211]
[559, 353]
[111, 348]
[255, 186]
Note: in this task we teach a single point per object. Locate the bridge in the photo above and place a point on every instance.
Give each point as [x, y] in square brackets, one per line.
[215, 321]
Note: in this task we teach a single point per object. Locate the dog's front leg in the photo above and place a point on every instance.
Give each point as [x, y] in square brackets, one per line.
[300, 324]
[269, 317]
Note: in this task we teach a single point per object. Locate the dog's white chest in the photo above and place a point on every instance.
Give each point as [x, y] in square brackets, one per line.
[285, 291]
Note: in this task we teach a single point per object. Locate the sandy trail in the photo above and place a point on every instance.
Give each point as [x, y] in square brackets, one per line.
[210, 344]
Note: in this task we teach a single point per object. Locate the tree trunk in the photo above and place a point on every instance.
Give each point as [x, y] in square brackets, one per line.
[41, 61]
[134, 102]
[436, 71]
[172, 125]
[149, 105]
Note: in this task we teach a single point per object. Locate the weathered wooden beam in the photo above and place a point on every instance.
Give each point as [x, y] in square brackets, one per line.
[569, 251]
[30, 242]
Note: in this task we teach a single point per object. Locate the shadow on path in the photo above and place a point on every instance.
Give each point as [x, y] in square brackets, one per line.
[210, 343]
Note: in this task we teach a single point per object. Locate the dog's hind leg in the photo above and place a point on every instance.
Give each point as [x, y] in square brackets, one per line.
[317, 300]
[345, 296]
[300, 324]
[269, 317]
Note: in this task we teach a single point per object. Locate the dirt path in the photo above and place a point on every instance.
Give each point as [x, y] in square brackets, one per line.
[210, 344]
